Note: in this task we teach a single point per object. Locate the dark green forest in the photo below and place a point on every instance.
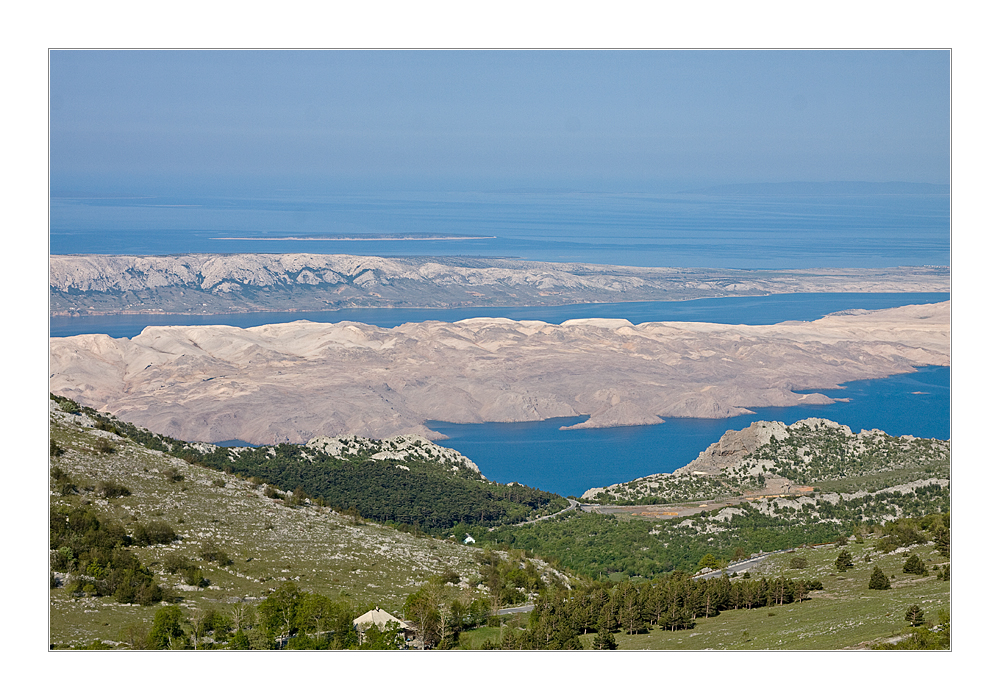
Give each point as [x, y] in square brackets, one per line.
[414, 493]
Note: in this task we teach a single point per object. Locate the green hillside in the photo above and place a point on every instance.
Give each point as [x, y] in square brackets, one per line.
[151, 547]
[417, 491]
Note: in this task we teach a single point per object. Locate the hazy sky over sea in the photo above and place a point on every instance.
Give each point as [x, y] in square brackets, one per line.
[299, 121]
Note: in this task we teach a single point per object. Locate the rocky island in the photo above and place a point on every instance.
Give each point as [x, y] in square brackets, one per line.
[295, 381]
[246, 283]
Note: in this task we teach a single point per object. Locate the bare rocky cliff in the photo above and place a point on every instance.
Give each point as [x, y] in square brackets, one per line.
[212, 284]
[296, 381]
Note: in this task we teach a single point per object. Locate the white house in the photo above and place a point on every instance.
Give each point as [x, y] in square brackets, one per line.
[380, 618]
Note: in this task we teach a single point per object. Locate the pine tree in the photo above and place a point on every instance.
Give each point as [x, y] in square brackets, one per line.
[604, 639]
[942, 542]
[844, 561]
[879, 581]
[914, 615]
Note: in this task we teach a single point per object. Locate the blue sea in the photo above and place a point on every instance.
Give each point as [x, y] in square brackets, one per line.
[641, 229]
[736, 310]
[569, 462]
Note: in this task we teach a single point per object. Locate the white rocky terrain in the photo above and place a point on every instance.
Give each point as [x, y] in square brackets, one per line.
[401, 447]
[212, 284]
[296, 381]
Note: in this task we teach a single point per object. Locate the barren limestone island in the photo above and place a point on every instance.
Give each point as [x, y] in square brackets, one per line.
[215, 284]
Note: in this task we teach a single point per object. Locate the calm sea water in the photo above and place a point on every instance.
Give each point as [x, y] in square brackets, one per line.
[649, 230]
[657, 230]
[569, 462]
[745, 310]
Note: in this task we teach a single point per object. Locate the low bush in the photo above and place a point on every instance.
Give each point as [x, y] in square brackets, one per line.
[172, 475]
[174, 562]
[211, 552]
[193, 577]
[112, 489]
[913, 565]
[156, 532]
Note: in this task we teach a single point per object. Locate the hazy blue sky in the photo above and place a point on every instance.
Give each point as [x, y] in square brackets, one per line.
[227, 121]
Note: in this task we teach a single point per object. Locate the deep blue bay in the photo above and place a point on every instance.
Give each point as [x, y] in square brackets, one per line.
[569, 462]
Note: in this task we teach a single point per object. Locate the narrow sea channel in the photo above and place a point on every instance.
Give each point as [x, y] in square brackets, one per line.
[569, 462]
[746, 310]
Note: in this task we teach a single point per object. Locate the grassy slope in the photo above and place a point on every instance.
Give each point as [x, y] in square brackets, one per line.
[845, 614]
[330, 554]
[269, 543]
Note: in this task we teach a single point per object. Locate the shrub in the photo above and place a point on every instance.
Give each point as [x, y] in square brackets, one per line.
[709, 561]
[210, 552]
[172, 475]
[156, 532]
[913, 565]
[220, 483]
[193, 577]
[448, 576]
[67, 405]
[945, 573]
[54, 449]
[104, 446]
[269, 492]
[111, 489]
[105, 425]
[174, 562]
[798, 562]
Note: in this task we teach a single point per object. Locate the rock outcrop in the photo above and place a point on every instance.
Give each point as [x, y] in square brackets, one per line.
[401, 447]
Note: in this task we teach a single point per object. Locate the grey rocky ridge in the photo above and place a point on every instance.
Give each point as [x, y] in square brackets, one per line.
[213, 284]
[296, 381]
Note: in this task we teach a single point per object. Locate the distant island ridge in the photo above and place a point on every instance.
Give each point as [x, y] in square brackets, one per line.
[824, 188]
[82, 285]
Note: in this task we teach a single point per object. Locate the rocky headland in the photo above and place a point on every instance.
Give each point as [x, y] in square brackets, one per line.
[769, 458]
[246, 283]
[296, 381]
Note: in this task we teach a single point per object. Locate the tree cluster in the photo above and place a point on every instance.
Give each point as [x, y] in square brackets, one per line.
[424, 493]
[672, 603]
[95, 556]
